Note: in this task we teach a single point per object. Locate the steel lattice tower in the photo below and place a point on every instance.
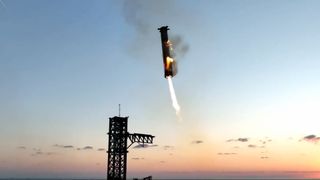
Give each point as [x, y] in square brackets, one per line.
[117, 146]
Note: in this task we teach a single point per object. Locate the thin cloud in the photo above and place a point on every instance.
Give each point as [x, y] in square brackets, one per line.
[243, 139]
[265, 140]
[252, 146]
[137, 158]
[87, 148]
[36, 149]
[101, 149]
[311, 138]
[197, 142]
[143, 146]
[64, 146]
[238, 140]
[38, 152]
[264, 157]
[226, 154]
[167, 147]
[22, 147]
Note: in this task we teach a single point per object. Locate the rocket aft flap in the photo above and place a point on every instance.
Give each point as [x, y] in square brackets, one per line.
[170, 65]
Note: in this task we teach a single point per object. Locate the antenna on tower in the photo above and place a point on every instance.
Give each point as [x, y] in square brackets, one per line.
[119, 110]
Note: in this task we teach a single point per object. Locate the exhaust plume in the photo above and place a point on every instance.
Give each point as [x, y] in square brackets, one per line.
[175, 104]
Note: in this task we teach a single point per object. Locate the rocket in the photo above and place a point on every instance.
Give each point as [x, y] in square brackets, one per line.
[170, 65]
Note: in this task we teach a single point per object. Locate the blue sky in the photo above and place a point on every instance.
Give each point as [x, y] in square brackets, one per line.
[252, 70]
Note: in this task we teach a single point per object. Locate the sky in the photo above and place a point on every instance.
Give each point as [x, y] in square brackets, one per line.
[248, 87]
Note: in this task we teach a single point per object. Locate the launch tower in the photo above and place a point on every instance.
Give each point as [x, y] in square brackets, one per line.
[118, 146]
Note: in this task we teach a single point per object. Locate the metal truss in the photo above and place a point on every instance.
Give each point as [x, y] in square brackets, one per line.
[140, 138]
[117, 146]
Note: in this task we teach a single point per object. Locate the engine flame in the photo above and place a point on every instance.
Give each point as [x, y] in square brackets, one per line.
[168, 63]
[175, 104]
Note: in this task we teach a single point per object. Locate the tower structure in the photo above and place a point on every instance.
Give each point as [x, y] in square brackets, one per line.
[118, 146]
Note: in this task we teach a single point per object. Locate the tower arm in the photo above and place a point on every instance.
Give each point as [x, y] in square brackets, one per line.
[140, 138]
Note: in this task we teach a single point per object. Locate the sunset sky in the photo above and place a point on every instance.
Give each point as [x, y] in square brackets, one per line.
[248, 87]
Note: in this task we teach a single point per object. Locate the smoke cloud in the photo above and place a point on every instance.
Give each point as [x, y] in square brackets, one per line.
[145, 16]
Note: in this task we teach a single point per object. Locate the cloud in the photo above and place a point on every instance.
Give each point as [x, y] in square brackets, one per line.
[197, 142]
[167, 147]
[162, 161]
[64, 146]
[137, 158]
[39, 152]
[36, 149]
[238, 140]
[226, 154]
[252, 146]
[21, 147]
[311, 138]
[255, 146]
[101, 149]
[87, 148]
[264, 157]
[143, 146]
[265, 140]
[243, 139]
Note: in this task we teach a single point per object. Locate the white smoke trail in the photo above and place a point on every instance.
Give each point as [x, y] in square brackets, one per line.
[174, 98]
